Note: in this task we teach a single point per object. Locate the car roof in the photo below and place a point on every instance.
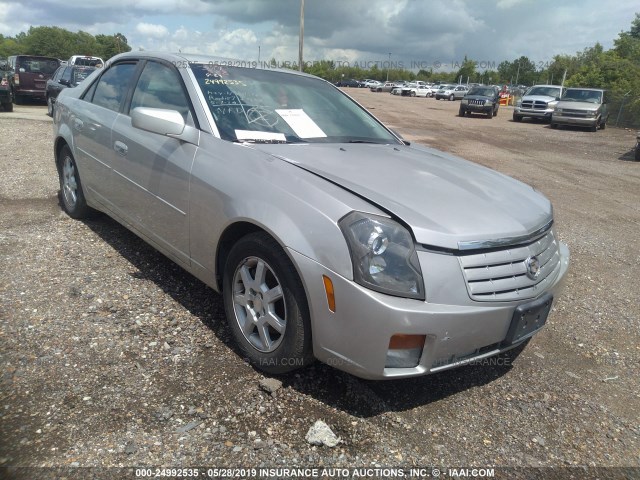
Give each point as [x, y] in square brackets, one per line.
[181, 58]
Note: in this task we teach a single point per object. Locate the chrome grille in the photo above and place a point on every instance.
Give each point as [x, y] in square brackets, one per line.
[501, 275]
[574, 113]
[476, 102]
[534, 105]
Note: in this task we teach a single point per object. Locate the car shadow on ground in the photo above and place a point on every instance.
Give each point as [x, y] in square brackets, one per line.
[336, 389]
[629, 156]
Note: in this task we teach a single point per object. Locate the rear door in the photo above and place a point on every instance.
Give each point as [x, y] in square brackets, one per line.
[94, 117]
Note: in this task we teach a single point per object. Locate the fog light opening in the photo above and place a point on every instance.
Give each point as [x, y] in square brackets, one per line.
[328, 288]
[405, 351]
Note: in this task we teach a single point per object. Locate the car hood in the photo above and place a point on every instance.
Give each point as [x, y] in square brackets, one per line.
[444, 199]
[539, 98]
[578, 105]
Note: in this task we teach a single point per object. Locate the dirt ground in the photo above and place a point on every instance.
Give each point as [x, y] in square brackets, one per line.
[111, 356]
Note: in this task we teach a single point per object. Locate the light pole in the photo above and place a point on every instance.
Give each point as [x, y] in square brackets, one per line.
[389, 67]
[301, 44]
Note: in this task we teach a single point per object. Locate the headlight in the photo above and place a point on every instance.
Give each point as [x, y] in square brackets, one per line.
[592, 113]
[464, 101]
[383, 255]
[558, 110]
[519, 102]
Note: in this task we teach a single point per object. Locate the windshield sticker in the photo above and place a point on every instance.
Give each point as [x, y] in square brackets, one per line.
[254, 135]
[301, 123]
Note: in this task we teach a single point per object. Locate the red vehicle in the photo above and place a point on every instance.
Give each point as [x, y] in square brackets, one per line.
[29, 76]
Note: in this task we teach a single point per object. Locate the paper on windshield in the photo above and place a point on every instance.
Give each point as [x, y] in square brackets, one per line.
[255, 135]
[301, 123]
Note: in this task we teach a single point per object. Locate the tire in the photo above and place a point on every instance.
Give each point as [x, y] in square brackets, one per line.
[49, 107]
[273, 335]
[495, 112]
[71, 193]
[17, 99]
[603, 124]
[413, 94]
[8, 106]
[594, 127]
[462, 112]
[554, 125]
[638, 153]
[451, 97]
[490, 113]
[516, 118]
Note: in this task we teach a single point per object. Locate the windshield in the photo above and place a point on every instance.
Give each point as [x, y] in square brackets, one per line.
[544, 91]
[579, 95]
[483, 91]
[276, 107]
[79, 74]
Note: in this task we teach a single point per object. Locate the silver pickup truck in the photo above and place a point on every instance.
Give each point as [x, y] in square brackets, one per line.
[538, 102]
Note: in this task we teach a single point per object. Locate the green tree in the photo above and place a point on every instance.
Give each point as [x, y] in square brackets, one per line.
[467, 71]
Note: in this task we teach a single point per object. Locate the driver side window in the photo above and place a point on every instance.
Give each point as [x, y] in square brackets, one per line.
[160, 87]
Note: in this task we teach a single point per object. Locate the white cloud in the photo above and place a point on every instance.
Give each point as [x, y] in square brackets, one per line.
[152, 31]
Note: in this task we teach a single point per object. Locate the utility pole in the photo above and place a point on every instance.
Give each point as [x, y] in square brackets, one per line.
[301, 45]
[389, 67]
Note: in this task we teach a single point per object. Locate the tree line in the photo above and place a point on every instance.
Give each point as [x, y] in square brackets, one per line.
[60, 43]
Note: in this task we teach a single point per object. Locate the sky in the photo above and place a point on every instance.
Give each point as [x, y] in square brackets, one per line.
[413, 34]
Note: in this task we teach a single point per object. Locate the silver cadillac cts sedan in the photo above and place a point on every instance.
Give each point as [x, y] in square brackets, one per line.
[328, 236]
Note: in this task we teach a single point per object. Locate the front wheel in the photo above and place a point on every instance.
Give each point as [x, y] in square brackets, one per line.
[451, 97]
[72, 195]
[266, 305]
[517, 118]
[8, 106]
[462, 112]
[638, 152]
[490, 114]
[554, 125]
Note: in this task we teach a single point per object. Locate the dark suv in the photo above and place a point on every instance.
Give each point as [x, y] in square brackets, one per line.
[5, 87]
[29, 75]
[480, 99]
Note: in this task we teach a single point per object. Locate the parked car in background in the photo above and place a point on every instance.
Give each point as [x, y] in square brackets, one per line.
[352, 82]
[385, 87]
[414, 89]
[637, 156]
[86, 61]
[371, 83]
[64, 77]
[582, 107]
[538, 102]
[366, 257]
[6, 97]
[29, 75]
[431, 90]
[451, 92]
[482, 99]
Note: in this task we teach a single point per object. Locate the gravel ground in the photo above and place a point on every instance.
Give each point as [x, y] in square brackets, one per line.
[112, 356]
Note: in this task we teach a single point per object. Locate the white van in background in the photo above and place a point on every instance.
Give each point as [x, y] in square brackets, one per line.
[86, 61]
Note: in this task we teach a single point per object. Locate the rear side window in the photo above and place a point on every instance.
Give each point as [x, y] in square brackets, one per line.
[113, 85]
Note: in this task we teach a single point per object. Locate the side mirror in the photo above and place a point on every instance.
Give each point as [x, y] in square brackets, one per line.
[65, 82]
[164, 122]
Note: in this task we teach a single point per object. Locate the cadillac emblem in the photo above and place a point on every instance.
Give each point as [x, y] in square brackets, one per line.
[533, 267]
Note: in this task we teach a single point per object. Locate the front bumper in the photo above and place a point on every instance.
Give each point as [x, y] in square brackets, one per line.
[470, 107]
[574, 120]
[537, 113]
[355, 338]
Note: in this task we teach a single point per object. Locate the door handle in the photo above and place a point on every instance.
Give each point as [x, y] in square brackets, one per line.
[120, 147]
